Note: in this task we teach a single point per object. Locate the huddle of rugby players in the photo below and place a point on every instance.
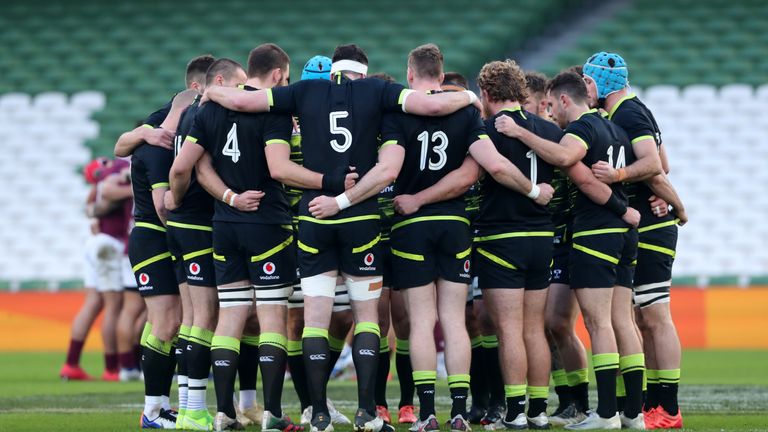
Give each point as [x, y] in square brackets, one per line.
[284, 216]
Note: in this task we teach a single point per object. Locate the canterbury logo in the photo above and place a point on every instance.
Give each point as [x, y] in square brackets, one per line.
[221, 363]
[266, 359]
[366, 352]
[189, 347]
[317, 356]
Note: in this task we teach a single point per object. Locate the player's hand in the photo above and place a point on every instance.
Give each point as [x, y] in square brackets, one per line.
[323, 207]
[406, 204]
[632, 217]
[507, 126]
[205, 97]
[659, 207]
[160, 137]
[350, 179]
[170, 203]
[604, 172]
[248, 201]
[338, 179]
[546, 191]
[683, 216]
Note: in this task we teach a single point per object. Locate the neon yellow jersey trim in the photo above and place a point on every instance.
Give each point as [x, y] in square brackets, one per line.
[277, 141]
[218, 257]
[401, 98]
[149, 126]
[287, 242]
[307, 249]
[483, 136]
[595, 253]
[429, 218]
[655, 248]
[339, 221]
[641, 138]
[149, 261]
[197, 254]
[464, 254]
[515, 234]
[618, 103]
[658, 225]
[496, 259]
[368, 245]
[270, 99]
[190, 226]
[150, 226]
[408, 256]
[160, 185]
[600, 231]
[191, 139]
[584, 143]
[388, 142]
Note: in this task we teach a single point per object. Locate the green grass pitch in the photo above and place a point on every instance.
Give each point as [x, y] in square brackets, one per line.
[721, 391]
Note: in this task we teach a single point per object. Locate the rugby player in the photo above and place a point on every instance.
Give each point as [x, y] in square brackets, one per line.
[513, 251]
[340, 121]
[152, 267]
[107, 267]
[190, 242]
[536, 102]
[606, 75]
[604, 245]
[252, 249]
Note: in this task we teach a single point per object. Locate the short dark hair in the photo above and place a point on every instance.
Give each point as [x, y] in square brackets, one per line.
[577, 69]
[426, 61]
[383, 76]
[570, 83]
[456, 79]
[536, 81]
[265, 58]
[197, 67]
[503, 80]
[224, 67]
[350, 52]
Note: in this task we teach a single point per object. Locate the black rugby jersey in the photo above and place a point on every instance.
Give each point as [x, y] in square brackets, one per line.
[149, 170]
[156, 118]
[340, 124]
[638, 122]
[506, 209]
[607, 142]
[236, 144]
[434, 146]
[197, 205]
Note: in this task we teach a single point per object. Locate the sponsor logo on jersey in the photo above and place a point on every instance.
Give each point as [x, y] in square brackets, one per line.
[388, 189]
[221, 363]
[268, 267]
[368, 260]
[466, 266]
[143, 278]
[317, 356]
[194, 268]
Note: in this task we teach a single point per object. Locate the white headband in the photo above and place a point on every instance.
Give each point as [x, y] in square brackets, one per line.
[349, 65]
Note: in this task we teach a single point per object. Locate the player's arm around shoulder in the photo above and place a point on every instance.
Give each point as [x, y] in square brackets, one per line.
[128, 141]
[435, 105]
[455, 184]
[237, 99]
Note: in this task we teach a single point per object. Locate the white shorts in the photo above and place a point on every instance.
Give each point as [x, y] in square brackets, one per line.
[107, 268]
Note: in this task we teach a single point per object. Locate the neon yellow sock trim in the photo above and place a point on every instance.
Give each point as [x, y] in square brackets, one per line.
[491, 341]
[402, 346]
[274, 339]
[314, 332]
[559, 377]
[458, 381]
[155, 344]
[295, 348]
[184, 332]
[645, 382]
[621, 391]
[252, 340]
[632, 362]
[145, 332]
[424, 377]
[368, 327]
[579, 376]
[384, 344]
[225, 342]
[605, 361]
[476, 341]
[669, 376]
[201, 336]
[538, 392]
[652, 376]
[514, 390]
[335, 344]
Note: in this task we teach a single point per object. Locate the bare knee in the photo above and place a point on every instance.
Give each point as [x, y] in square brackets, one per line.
[596, 324]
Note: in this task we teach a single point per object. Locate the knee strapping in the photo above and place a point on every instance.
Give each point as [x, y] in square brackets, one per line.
[319, 286]
[366, 289]
[236, 296]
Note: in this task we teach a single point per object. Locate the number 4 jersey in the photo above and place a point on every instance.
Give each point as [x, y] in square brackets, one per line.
[236, 143]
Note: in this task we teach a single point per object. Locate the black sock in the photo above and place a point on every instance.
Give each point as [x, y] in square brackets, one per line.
[316, 362]
[580, 395]
[248, 366]
[459, 387]
[563, 393]
[298, 373]
[606, 366]
[668, 398]
[199, 359]
[425, 388]
[272, 359]
[478, 384]
[404, 372]
[225, 360]
[621, 401]
[365, 354]
[536, 406]
[495, 380]
[382, 373]
[182, 362]
[154, 363]
[652, 395]
[632, 370]
[515, 407]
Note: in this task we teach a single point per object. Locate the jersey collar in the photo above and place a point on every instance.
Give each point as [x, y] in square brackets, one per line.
[620, 101]
[515, 109]
[592, 111]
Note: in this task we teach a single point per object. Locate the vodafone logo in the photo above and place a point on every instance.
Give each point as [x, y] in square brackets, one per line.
[368, 260]
[268, 267]
[143, 279]
[466, 265]
[194, 268]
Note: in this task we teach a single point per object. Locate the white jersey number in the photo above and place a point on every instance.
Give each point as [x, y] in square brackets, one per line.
[178, 140]
[534, 166]
[231, 148]
[339, 130]
[442, 158]
[621, 160]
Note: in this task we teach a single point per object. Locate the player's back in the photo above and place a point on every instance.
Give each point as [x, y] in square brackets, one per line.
[434, 146]
[505, 208]
[149, 170]
[236, 144]
[605, 141]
